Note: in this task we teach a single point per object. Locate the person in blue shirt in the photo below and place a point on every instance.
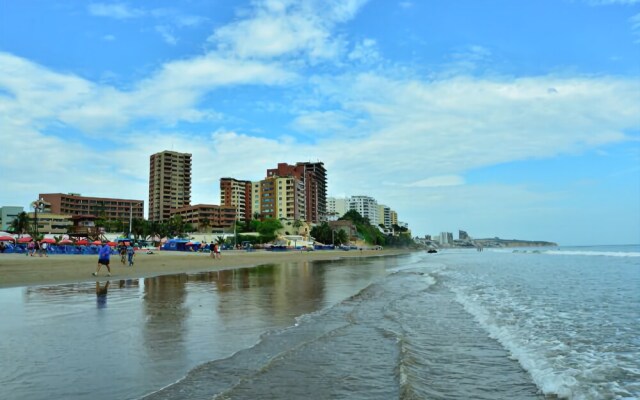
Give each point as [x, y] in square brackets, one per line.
[130, 253]
[103, 259]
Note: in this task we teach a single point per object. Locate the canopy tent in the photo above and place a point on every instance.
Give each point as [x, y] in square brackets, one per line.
[175, 245]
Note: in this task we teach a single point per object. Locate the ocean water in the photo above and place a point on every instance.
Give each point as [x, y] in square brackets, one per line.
[459, 324]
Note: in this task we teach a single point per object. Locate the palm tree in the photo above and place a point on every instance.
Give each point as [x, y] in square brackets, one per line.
[205, 224]
[21, 223]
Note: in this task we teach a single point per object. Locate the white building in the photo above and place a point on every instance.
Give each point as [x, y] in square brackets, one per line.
[366, 206]
[336, 208]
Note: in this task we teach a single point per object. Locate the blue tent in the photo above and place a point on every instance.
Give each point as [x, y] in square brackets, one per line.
[175, 245]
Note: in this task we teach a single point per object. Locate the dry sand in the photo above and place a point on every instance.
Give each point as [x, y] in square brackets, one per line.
[21, 270]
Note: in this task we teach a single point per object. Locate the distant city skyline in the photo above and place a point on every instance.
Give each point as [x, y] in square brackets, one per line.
[516, 119]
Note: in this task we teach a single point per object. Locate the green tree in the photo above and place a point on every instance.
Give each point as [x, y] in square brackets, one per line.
[21, 224]
[267, 229]
[205, 224]
[139, 228]
[322, 233]
[341, 237]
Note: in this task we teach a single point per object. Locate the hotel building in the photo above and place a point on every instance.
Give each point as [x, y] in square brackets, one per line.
[101, 207]
[169, 184]
[205, 217]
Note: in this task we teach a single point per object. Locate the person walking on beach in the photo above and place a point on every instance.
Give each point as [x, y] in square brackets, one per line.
[131, 252]
[31, 249]
[103, 259]
[43, 249]
[122, 248]
[212, 252]
[216, 251]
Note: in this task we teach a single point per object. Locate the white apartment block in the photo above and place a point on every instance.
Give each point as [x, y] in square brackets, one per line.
[336, 208]
[366, 206]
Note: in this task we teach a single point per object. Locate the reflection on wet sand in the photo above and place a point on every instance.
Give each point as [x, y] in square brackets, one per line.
[165, 313]
[101, 294]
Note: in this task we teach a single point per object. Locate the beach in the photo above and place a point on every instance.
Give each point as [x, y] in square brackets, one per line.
[519, 324]
[21, 270]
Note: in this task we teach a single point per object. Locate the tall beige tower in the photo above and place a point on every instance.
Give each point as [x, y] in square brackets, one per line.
[169, 183]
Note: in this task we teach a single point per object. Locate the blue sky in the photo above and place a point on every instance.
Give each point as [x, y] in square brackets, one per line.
[517, 119]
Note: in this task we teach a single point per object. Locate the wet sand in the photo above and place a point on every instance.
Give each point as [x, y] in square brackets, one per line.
[21, 270]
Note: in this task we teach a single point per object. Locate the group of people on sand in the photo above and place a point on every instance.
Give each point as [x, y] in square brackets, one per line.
[35, 247]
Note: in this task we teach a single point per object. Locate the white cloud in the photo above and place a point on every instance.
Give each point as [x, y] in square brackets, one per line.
[109, 38]
[167, 34]
[365, 51]
[635, 26]
[286, 28]
[417, 130]
[439, 181]
[612, 2]
[172, 94]
[114, 10]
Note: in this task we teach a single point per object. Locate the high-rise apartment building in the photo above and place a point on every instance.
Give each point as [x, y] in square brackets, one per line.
[238, 194]
[394, 218]
[169, 183]
[384, 215]
[281, 198]
[366, 206]
[314, 179]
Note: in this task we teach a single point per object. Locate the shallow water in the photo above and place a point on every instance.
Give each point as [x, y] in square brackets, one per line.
[453, 325]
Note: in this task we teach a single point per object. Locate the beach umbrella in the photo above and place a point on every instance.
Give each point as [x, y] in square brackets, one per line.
[112, 244]
[48, 240]
[82, 242]
[188, 244]
[24, 240]
[7, 238]
[65, 241]
[96, 242]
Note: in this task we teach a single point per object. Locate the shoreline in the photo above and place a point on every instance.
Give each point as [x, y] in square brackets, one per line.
[18, 270]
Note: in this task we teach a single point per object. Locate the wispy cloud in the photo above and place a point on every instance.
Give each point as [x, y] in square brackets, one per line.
[635, 26]
[612, 2]
[286, 28]
[438, 181]
[115, 10]
[166, 20]
[41, 96]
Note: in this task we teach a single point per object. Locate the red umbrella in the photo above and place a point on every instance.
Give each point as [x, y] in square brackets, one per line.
[188, 244]
[48, 240]
[112, 244]
[82, 242]
[24, 240]
[7, 238]
[96, 242]
[65, 241]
